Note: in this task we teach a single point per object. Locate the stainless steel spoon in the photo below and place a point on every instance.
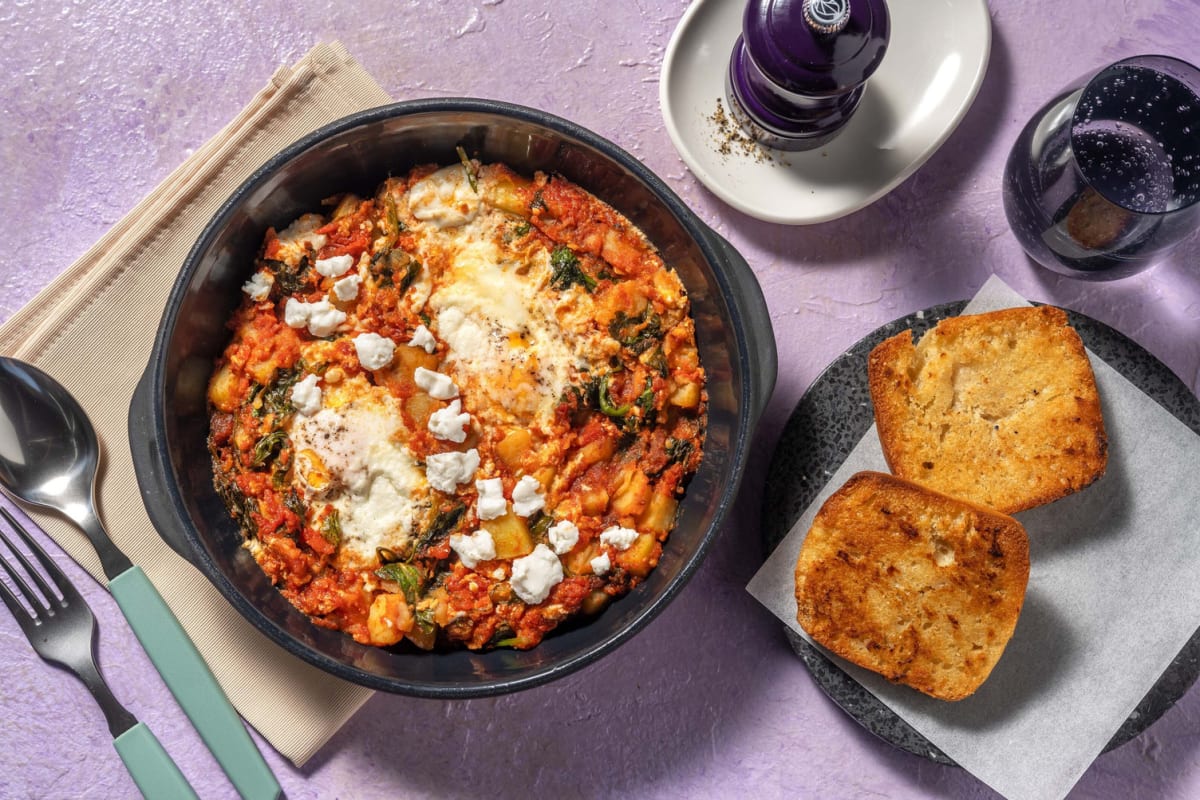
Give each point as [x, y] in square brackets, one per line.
[49, 457]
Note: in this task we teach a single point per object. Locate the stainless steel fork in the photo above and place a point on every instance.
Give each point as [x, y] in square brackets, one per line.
[62, 629]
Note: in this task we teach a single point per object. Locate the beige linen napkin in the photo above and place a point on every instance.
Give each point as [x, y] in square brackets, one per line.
[93, 328]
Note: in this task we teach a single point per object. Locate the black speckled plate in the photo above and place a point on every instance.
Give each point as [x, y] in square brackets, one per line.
[834, 415]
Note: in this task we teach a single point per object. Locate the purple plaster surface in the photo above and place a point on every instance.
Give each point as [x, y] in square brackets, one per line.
[102, 100]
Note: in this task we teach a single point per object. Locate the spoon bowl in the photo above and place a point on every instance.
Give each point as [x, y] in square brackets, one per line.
[49, 454]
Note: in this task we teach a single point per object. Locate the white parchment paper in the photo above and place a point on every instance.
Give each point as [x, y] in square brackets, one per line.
[1114, 594]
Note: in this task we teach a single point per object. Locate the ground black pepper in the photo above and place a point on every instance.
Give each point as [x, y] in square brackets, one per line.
[730, 138]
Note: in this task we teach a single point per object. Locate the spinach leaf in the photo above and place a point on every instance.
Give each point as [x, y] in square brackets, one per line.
[241, 506]
[290, 280]
[639, 332]
[406, 575]
[395, 226]
[607, 406]
[540, 525]
[424, 617]
[293, 503]
[276, 397]
[658, 362]
[386, 555]
[443, 525]
[567, 270]
[468, 168]
[678, 450]
[645, 400]
[268, 446]
[331, 528]
[395, 268]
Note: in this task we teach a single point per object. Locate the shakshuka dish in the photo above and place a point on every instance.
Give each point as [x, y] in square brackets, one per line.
[460, 412]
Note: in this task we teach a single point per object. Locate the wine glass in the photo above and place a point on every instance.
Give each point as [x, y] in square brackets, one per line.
[1104, 180]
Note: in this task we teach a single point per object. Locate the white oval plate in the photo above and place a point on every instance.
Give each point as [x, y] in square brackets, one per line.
[935, 62]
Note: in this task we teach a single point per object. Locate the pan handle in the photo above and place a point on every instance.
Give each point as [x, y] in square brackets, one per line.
[150, 468]
[747, 298]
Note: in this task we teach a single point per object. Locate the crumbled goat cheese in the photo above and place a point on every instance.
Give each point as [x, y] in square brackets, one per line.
[534, 575]
[472, 549]
[334, 267]
[424, 339]
[295, 313]
[618, 537]
[259, 286]
[445, 471]
[527, 496]
[321, 317]
[563, 536]
[438, 386]
[374, 351]
[346, 289]
[450, 423]
[491, 498]
[306, 396]
[601, 564]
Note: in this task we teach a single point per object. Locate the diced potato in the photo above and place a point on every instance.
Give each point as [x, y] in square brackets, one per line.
[407, 359]
[586, 456]
[420, 406]
[593, 453]
[440, 600]
[685, 395]
[642, 555]
[511, 535]
[513, 448]
[593, 501]
[545, 475]
[666, 283]
[507, 192]
[632, 493]
[622, 252]
[594, 603]
[223, 391]
[679, 349]
[262, 371]
[243, 439]
[577, 562]
[347, 206]
[389, 619]
[626, 297]
[659, 514]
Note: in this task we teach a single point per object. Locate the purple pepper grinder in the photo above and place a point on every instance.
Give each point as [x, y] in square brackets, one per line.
[797, 71]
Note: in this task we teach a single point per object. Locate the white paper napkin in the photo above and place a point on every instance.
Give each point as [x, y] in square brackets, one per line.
[1114, 595]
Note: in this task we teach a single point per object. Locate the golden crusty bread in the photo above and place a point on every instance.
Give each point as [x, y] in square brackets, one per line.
[923, 588]
[998, 408]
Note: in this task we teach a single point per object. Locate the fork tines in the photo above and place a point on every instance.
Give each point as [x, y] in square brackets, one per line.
[48, 599]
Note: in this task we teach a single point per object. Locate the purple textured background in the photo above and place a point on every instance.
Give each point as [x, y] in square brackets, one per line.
[102, 100]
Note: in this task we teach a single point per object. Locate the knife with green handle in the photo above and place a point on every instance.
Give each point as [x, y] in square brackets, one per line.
[151, 768]
[193, 684]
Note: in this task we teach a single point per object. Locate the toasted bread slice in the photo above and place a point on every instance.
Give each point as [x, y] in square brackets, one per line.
[923, 588]
[998, 408]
